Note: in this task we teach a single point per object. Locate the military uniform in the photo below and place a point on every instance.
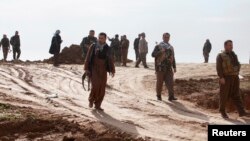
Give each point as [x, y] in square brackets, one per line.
[164, 69]
[5, 43]
[15, 42]
[98, 63]
[124, 50]
[143, 51]
[85, 44]
[116, 50]
[206, 50]
[228, 67]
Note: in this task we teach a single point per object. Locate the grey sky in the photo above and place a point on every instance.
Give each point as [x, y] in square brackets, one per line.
[190, 23]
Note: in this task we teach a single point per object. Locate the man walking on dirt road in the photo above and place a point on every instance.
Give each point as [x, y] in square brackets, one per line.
[228, 68]
[165, 63]
[98, 62]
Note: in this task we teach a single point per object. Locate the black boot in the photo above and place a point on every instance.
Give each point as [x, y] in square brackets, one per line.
[159, 97]
[224, 115]
[171, 98]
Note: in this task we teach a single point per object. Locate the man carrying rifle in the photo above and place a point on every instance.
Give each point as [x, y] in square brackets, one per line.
[98, 63]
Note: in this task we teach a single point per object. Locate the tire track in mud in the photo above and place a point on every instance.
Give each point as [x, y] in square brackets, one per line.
[37, 94]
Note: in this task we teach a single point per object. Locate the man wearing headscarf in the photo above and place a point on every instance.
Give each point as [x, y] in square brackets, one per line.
[98, 63]
[165, 67]
[56, 47]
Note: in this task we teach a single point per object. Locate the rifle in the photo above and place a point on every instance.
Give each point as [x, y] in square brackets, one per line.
[88, 80]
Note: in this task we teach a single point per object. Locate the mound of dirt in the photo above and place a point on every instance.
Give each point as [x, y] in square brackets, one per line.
[70, 55]
[205, 92]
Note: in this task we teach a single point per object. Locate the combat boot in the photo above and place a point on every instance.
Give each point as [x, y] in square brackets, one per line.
[224, 115]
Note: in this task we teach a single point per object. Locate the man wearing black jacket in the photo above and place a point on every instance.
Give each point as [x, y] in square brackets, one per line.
[98, 63]
[15, 42]
[5, 43]
[56, 47]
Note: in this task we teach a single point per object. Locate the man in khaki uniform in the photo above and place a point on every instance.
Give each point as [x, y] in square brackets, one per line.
[228, 68]
[124, 50]
[143, 51]
[165, 67]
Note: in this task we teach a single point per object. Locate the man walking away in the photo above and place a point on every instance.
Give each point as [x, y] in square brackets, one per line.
[136, 47]
[124, 49]
[5, 43]
[86, 42]
[56, 47]
[98, 62]
[15, 42]
[143, 51]
[206, 50]
[228, 68]
[164, 56]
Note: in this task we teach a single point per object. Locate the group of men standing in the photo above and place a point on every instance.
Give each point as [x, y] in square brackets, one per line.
[99, 60]
[14, 42]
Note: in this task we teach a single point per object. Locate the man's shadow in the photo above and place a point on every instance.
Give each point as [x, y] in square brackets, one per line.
[181, 109]
[127, 126]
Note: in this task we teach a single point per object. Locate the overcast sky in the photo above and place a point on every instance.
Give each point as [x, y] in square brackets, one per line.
[190, 23]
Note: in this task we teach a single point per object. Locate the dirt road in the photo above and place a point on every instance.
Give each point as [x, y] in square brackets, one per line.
[130, 103]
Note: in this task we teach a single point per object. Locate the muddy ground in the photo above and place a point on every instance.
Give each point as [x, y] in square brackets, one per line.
[25, 123]
[42, 102]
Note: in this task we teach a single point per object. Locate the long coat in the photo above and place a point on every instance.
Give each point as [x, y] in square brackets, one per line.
[55, 44]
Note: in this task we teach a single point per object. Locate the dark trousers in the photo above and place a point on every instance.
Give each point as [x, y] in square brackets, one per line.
[16, 53]
[231, 90]
[117, 56]
[5, 53]
[124, 57]
[136, 54]
[206, 56]
[56, 55]
[168, 78]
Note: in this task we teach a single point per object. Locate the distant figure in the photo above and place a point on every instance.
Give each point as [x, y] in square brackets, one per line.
[116, 50]
[56, 47]
[228, 68]
[165, 63]
[136, 47]
[98, 62]
[15, 42]
[143, 51]
[124, 50]
[86, 42]
[5, 43]
[206, 50]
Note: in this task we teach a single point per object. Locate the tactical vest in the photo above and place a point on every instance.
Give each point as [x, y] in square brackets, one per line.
[228, 67]
[163, 62]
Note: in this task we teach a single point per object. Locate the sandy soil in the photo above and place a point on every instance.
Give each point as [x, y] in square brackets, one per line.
[130, 103]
